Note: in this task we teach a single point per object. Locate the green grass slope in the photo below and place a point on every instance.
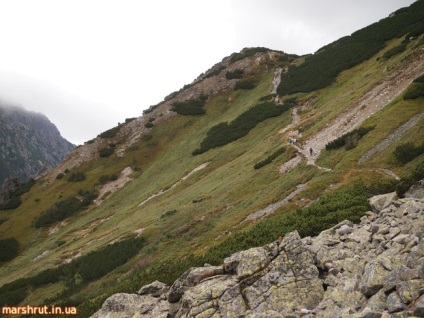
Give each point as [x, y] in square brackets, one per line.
[182, 210]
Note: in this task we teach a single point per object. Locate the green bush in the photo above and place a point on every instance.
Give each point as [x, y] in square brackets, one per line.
[106, 152]
[224, 133]
[393, 51]
[110, 133]
[128, 120]
[66, 208]
[149, 124]
[9, 249]
[408, 151]
[419, 79]
[14, 200]
[151, 108]
[89, 267]
[168, 214]
[103, 179]
[59, 176]
[236, 74]
[269, 159]
[13, 298]
[352, 141]
[245, 84]
[409, 180]
[76, 177]
[11, 204]
[214, 72]
[24, 187]
[190, 107]
[100, 262]
[414, 91]
[349, 140]
[266, 97]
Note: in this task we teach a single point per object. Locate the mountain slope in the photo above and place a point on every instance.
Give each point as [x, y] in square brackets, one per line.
[29, 143]
[193, 209]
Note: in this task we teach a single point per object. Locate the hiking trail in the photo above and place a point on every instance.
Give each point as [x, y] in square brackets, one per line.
[376, 99]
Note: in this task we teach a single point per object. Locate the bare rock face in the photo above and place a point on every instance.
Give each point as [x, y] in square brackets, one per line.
[371, 269]
[29, 143]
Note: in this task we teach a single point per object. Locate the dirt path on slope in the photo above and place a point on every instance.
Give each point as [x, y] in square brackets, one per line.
[392, 137]
[270, 209]
[162, 191]
[373, 101]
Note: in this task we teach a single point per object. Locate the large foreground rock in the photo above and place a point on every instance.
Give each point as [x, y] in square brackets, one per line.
[374, 269]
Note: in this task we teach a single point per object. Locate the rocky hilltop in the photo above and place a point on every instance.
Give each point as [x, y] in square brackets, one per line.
[371, 269]
[29, 143]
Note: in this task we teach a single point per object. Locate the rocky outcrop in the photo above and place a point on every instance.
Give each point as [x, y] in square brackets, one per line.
[371, 269]
[29, 143]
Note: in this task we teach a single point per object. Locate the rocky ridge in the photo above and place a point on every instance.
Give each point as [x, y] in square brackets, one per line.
[29, 143]
[371, 269]
[212, 82]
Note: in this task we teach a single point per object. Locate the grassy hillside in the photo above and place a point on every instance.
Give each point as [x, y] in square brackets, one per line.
[189, 209]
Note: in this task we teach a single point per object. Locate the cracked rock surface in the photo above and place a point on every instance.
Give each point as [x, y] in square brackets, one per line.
[371, 269]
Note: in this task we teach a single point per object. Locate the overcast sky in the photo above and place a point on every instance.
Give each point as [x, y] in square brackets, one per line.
[89, 64]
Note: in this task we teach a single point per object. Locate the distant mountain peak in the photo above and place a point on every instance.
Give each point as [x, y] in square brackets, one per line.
[29, 143]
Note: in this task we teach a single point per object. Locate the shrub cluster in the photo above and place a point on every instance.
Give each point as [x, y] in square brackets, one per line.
[11, 204]
[9, 249]
[13, 297]
[214, 71]
[110, 133]
[224, 133]
[103, 179]
[100, 262]
[106, 151]
[419, 79]
[393, 51]
[350, 139]
[266, 97]
[409, 180]
[408, 151]
[168, 214]
[322, 68]
[89, 267]
[416, 89]
[247, 83]
[151, 108]
[76, 177]
[128, 120]
[236, 74]
[14, 200]
[270, 158]
[65, 208]
[190, 107]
